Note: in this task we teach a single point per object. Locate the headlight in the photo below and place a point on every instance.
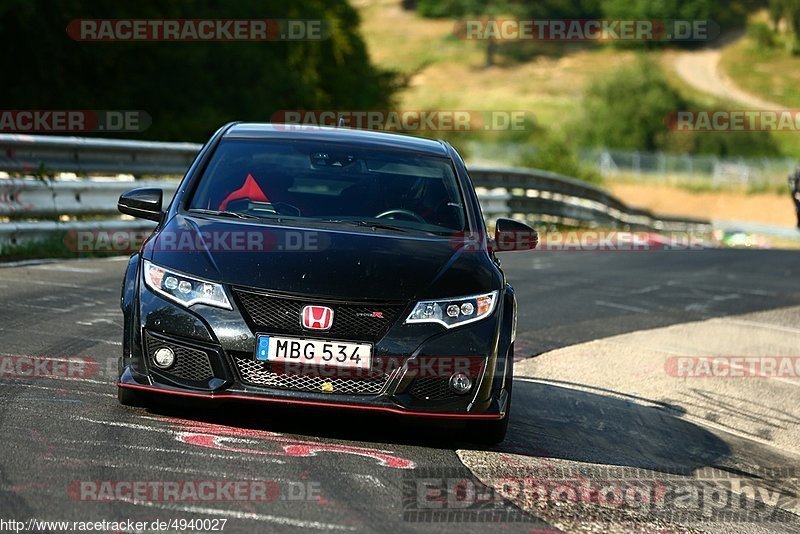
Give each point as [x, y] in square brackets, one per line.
[184, 289]
[454, 312]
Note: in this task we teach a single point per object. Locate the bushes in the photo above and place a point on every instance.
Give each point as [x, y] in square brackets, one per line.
[736, 144]
[555, 154]
[627, 109]
[787, 11]
[723, 13]
[761, 35]
[447, 8]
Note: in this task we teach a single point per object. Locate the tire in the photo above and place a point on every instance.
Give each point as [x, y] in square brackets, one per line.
[130, 397]
[494, 432]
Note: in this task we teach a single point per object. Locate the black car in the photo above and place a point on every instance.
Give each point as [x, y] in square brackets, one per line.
[324, 267]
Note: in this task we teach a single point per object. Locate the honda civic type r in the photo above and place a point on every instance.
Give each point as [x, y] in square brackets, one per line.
[324, 267]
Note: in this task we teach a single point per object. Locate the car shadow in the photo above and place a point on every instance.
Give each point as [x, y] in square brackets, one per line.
[547, 421]
[607, 428]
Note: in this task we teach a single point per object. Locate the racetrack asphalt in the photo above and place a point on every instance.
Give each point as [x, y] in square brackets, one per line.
[340, 471]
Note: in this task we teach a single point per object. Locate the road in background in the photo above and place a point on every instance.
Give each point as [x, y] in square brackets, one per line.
[572, 297]
[702, 70]
[352, 471]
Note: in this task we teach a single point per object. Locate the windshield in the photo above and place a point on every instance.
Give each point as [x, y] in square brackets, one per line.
[331, 183]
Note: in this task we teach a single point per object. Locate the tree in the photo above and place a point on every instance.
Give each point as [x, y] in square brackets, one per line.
[626, 108]
[188, 88]
[522, 9]
[484, 9]
[788, 10]
[629, 109]
[718, 14]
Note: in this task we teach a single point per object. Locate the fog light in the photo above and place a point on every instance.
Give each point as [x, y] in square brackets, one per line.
[460, 383]
[164, 358]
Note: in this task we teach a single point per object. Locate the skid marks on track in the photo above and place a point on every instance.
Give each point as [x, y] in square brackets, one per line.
[250, 442]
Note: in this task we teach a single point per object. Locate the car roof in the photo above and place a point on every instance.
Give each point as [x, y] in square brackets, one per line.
[252, 130]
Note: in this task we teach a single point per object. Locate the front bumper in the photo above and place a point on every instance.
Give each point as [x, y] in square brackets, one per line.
[128, 382]
[231, 343]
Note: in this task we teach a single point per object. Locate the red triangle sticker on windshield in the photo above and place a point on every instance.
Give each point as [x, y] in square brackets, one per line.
[249, 190]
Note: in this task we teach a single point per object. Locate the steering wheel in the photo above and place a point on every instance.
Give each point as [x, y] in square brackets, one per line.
[284, 208]
[407, 213]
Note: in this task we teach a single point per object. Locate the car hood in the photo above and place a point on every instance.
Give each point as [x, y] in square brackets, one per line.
[353, 264]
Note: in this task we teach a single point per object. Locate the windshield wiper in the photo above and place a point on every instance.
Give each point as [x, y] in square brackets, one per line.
[224, 213]
[364, 224]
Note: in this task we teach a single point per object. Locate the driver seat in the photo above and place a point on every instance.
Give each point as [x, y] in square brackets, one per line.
[249, 190]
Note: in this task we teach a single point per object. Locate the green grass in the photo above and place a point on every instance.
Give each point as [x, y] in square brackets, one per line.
[689, 92]
[770, 73]
[446, 72]
[547, 80]
[50, 247]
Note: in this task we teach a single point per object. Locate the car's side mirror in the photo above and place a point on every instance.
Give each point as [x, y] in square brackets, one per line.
[144, 203]
[510, 235]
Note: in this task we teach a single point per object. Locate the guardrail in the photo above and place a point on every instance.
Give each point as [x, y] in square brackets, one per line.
[549, 197]
[652, 167]
[535, 195]
[50, 154]
[29, 197]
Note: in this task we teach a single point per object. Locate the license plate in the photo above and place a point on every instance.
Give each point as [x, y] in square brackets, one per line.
[314, 352]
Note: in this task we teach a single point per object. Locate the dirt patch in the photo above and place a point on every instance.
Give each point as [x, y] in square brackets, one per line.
[768, 208]
[701, 69]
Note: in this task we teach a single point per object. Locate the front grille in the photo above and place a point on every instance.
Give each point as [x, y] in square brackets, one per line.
[432, 388]
[282, 315]
[262, 374]
[190, 364]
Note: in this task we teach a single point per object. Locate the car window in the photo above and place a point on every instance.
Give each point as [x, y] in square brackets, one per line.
[332, 183]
